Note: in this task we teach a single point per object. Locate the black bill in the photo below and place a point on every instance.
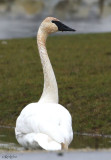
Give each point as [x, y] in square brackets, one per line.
[62, 27]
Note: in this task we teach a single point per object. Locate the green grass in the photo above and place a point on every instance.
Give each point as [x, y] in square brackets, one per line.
[82, 64]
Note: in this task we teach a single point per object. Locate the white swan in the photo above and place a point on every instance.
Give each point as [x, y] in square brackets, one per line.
[46, 123]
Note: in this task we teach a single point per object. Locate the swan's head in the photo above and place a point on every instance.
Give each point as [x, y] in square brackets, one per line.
[51, 25]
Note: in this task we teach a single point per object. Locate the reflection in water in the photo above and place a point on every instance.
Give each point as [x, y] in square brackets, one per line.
[8, 141]
[101, 5]
[90, 142]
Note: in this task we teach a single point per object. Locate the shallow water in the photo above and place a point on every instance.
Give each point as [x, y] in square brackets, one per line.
[8, 141]
[19, 27]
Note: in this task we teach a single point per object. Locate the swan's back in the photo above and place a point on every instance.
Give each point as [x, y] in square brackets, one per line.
[50, 119]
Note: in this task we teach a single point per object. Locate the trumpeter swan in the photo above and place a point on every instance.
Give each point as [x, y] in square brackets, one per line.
[46, 124]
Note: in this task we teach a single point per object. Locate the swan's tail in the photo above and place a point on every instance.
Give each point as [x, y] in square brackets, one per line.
[38, 140]
[47, 143]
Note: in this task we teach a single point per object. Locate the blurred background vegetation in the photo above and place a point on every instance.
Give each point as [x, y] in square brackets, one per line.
[64, 9]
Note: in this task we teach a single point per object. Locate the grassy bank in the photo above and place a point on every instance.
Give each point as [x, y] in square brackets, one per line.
[82, 64]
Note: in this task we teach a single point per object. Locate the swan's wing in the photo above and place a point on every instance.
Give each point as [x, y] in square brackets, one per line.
[46, 134]
[51, 119]
[31, 125]
[56, 122]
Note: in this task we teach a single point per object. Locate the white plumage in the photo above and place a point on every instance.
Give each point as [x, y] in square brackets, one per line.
[45, 124]
[48, 125]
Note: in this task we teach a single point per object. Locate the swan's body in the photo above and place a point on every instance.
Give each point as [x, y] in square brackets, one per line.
[46, 123]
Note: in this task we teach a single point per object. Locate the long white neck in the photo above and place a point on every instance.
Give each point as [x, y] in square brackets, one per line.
[50, 91]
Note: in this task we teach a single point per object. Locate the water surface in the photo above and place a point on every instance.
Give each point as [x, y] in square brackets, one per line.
[20, 27]
[8, 141]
